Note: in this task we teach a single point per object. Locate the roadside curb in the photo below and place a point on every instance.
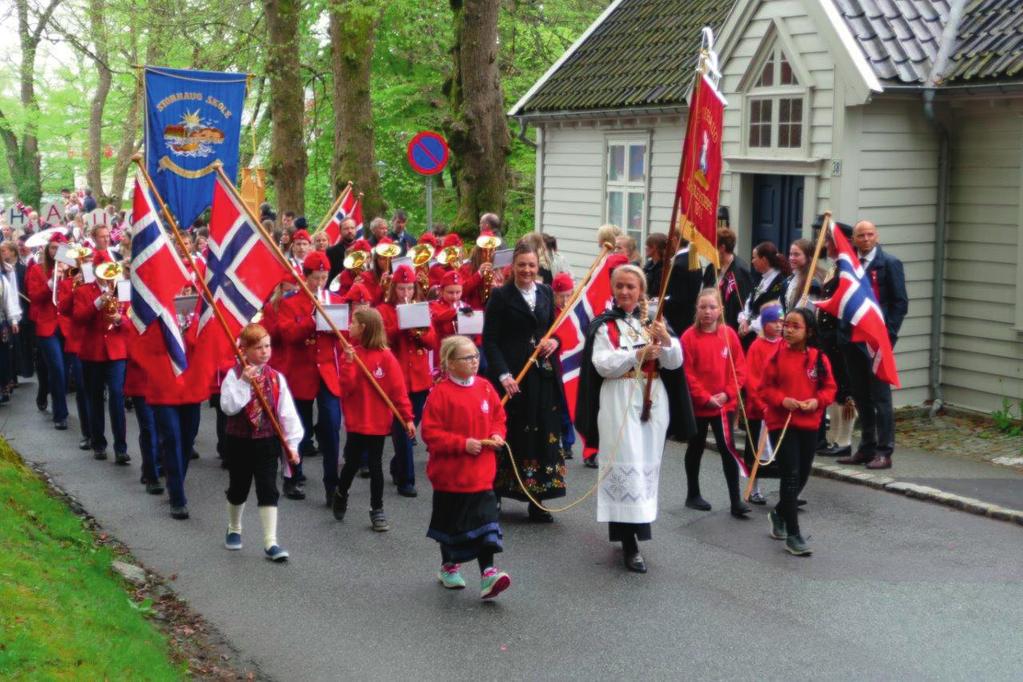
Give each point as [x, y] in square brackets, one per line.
[920, 492]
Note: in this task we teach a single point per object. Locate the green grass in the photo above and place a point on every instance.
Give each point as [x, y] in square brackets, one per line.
[63, 613]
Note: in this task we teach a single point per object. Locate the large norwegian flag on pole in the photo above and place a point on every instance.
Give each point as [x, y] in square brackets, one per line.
[593, 301]
[350, 207]
[157, 274]
[241, 267]
[854, 304]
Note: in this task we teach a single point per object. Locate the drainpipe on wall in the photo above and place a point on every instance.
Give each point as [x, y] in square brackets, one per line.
[948, 40]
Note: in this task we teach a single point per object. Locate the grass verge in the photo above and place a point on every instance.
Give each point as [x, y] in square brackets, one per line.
[63, 613]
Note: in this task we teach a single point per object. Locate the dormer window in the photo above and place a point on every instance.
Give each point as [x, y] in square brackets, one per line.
[775, 97]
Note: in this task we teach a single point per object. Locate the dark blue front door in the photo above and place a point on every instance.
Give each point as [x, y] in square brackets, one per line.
[777, 209]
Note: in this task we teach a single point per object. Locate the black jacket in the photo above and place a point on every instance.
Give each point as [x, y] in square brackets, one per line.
[889, 280]
[682, 422]
[734, 295]
[683, 287]
[511, 330]
[336, 257]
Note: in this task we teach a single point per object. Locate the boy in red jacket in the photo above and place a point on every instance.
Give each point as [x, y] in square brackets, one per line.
[463, 423]
[797, 385]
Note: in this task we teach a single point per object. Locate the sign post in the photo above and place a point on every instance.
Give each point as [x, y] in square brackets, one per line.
[428, 155]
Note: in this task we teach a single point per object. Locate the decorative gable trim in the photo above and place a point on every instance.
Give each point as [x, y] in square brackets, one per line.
[850, 63]
[776, 34]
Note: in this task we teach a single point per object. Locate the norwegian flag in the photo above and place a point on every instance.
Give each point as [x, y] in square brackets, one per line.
[594, 300]
[350, 207]
[157, 275]
[854, 303]
[242, 268]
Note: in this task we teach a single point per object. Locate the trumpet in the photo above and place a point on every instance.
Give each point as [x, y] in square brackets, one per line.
[488, 244]
[387, 252]
[421, 255]
[450, 255]
[110, 273]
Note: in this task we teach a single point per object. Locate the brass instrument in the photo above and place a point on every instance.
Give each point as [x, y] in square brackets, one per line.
[110, 273]
[80, 254]
[488, 244]
[450, 255]
[357, 261]
[387, 252]
[421, 255]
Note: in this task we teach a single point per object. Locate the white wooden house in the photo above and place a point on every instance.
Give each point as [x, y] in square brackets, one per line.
[909, 114]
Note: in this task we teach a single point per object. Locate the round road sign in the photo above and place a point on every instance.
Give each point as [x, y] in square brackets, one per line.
[428, 153]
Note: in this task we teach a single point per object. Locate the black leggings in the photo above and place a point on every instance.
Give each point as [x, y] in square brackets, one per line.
[795, 458]
[485, 558]
[248, 460]
[694, 453]
[373, 446]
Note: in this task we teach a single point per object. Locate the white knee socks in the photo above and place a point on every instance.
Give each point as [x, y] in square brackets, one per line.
[234, 517]
[268, 516]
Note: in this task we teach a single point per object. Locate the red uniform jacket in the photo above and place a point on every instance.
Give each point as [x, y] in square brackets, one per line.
[99, 342]
[454, 413]
[708, 370]
[793, 374]
[161, 386]
[135, 375]
[412, 348]
[312, 355]
[756, 359]
[279, 350]
[73, 331]
[44, 312]
[365, 411]
[443, 316]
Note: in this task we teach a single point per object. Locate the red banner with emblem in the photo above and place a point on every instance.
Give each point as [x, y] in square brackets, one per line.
[700, 178]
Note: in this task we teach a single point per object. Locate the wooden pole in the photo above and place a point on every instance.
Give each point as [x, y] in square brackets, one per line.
[208, 296]
[333, 208]
[312, 297]
[604, 250]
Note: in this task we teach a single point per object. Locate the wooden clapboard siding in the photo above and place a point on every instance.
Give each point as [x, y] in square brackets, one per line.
[573, 192]
[982, 353]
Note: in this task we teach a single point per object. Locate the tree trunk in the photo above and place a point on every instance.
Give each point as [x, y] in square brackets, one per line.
[93, 172]
[23, 155]
[477, 130]
[288, 164]
[352, 35]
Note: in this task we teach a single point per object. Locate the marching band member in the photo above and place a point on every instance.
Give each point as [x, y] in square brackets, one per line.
[412, 347]
[39, 280]
[462, 411]
[301, 245]
[135, 380]
[619, 351]
[444, 310]
[71, 335]
[438, 270]
[252, 448]
[101, 319]
[367, 417]
[348, 276]
[313, 366]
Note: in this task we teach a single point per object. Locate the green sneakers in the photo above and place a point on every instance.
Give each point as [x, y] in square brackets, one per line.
[778, 531]
[493, 583]
[450, 578]
[796, 545]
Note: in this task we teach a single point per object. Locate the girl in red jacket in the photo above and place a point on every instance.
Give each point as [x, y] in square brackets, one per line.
[796, 387]
[412, 347]
[367, 417]
[462, 411]
[757, 357]
[714, 380]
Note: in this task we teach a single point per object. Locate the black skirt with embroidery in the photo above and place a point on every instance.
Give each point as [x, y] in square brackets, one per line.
[465, 523]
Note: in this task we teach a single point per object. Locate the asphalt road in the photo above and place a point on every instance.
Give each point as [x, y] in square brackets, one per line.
[896, 588]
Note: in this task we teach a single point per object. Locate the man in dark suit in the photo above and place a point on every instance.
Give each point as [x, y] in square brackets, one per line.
[336, 253]
[872, 396]
[683, 287]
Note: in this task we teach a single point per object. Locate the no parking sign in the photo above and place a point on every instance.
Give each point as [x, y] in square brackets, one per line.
[428, 153]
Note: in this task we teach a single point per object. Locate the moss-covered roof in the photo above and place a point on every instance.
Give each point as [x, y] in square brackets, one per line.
[641, 55]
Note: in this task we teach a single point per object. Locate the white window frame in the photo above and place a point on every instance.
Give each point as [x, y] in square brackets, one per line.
[625, 186]
[778, 44]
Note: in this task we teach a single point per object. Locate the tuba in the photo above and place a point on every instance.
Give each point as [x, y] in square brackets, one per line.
[110, 273]
[488, 244]
[387, 252]
[450, 255]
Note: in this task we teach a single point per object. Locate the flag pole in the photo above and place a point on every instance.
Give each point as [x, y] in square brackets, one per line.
[208, 296]
[337, 202]
[825, 226]
[604, 250]
[312, 297]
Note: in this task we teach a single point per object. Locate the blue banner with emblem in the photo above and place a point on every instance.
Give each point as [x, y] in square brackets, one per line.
[193, 119]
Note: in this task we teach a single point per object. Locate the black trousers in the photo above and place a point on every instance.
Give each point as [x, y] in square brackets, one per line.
[795, 458]
[248, 460]
[694, 454]
[873, 399]
[373, 446]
